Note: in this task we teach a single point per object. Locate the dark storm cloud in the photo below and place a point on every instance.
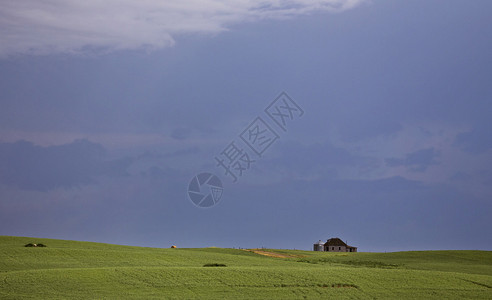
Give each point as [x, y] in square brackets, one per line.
[181, 133]
[314, 159]
[475, 141]
[417, 161]
[33, 167]
[156, 172]
[183, 152]
[460, 176]
[152, 156]
[481, 178]
[369, 127]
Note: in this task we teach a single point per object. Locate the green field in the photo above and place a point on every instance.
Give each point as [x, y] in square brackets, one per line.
[69, 269]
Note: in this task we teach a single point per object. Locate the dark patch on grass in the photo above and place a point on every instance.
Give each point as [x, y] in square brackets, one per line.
[293, 285]
[478, 283]
[369, 264]
[357, 263]
[323, 285]
[309, 261]
[344, 285]
[214, 265]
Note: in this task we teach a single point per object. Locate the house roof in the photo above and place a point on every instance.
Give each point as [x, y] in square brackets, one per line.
[335, 242]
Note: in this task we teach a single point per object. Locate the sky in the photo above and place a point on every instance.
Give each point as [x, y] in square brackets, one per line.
[109, 111]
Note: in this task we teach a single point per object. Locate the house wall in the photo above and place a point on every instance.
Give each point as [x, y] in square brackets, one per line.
[335, 248]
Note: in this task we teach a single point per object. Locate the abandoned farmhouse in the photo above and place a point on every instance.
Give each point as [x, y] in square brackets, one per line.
[334, 245]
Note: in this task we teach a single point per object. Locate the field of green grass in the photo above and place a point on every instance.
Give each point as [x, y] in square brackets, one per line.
[83, 270]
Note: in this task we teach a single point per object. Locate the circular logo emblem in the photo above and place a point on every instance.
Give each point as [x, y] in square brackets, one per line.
[205, 190]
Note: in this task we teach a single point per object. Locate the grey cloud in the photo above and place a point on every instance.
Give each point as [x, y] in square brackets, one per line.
[61, 26]
[460, 176]
[475, 141]
[153, 156]
[118, 167]
[417, 161]
[181, 133]
[156, 172]
[183, 152]
[315, 159]
[479, 177]
[366, 128]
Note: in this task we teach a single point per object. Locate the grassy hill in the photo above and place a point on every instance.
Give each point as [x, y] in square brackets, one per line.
[70, 269]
